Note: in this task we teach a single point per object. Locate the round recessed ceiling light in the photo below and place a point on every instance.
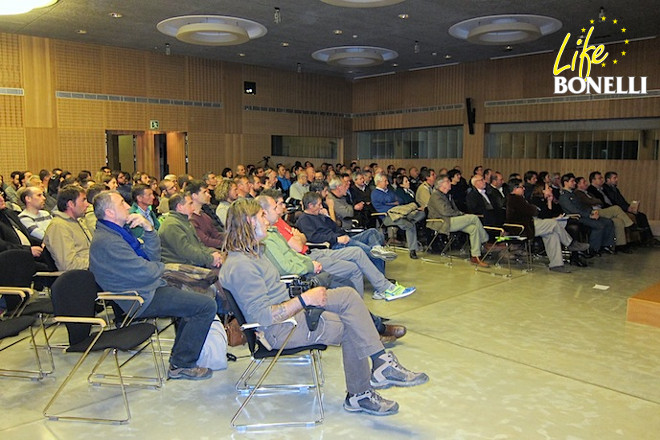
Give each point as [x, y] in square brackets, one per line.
[362, 3]
[505, 29]
[81, 31]
[284, 44]
[212, 30]
[12, 7]
[338, 32]
[403, 16]
[116, 14]
[354, 56]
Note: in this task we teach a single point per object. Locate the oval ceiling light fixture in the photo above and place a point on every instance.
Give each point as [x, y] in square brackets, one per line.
[362, 3]
[354, 56]
[505, 29]
[13, 7]
[211, 30]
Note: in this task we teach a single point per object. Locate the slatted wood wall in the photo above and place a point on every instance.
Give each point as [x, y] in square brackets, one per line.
[39, 129]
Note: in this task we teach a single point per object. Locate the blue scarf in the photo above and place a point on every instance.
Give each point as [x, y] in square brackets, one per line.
[128, 238]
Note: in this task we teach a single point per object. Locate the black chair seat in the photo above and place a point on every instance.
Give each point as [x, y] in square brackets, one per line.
[41, 305]
[14, 326]
[124, 338]
[262, 353]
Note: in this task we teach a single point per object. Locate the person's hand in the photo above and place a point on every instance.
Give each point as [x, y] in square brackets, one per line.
[317, 266]
[358, 206]
[134, 220]
[36, 251]
[316, 297]
[344, 239]
[594, 215]
[217, 259]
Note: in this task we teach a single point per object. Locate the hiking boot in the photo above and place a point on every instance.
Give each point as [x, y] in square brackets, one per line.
[392, 373]
[383, 254]
[370, 402]
[192, 373]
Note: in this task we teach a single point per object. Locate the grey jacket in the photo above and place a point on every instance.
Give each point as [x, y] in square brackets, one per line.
[117, 268]
[441, 207]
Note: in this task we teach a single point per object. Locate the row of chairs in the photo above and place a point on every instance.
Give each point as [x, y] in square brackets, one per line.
[74, 298]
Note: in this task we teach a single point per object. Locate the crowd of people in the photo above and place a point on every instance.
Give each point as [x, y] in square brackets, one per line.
[253, 225]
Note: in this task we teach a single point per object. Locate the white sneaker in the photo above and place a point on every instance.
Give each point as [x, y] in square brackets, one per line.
[383, 254]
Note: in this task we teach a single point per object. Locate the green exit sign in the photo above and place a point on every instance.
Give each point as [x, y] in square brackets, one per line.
[154, 124]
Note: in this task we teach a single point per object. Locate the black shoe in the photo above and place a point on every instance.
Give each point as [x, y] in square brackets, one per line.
[594, 253]
[413, 255]
[576, 260]
[625, 249]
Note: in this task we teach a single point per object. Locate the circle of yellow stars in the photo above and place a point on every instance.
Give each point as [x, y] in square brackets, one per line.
[603, 19]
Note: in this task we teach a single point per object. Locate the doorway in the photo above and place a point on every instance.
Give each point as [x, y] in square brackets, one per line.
[155, 153]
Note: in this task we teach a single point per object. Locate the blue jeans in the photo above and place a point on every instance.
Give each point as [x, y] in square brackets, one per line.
[366, 240]
[196, 312]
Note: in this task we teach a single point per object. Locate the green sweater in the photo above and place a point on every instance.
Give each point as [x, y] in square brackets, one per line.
[286, 260]
[180, 243]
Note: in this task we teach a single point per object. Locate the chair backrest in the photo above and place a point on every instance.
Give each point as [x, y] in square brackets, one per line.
[17, 268]
[74, 294]
[250, 334]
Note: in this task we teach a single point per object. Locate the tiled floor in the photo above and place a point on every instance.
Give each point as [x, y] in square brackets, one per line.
[538, 356]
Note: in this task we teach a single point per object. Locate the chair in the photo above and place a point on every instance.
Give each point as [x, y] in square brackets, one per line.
[509, 234]
[13, 327]
[450, 238]
[260, 352]
[74, 296]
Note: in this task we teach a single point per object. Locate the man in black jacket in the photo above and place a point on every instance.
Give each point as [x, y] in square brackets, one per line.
[612, 192]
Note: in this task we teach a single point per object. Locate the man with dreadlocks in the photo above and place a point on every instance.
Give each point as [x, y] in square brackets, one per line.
[255, 284]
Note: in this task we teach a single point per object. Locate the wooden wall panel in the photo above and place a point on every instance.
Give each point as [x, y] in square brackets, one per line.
[232, 80]
[205, 119]
[12, 111]
[78, 67]
[207, 153]
[12, 145]
[124, 72]
[205, 80]
[78, 113]
[233, 150]
[42, 148]
[10, 61]
[81, 149]
[37, 82]
[166, 76]
[171, 117]
[125, 116]
[176, 154]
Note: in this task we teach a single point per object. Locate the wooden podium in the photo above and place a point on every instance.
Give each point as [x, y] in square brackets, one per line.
[644, 307]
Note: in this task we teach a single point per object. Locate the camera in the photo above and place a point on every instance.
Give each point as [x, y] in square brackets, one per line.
[300, 285]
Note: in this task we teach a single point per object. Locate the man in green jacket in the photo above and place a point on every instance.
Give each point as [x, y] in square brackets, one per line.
[179, 241]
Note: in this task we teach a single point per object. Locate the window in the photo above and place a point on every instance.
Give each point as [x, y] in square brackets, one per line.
[605, 139]
[304, 146]
[414, 143]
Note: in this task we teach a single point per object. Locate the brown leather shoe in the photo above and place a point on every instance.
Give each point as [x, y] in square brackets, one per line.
[398, 331]
[387, 339]
[479, 262]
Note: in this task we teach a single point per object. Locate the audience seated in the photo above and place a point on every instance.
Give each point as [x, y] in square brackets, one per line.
[34, 217]
[459, 189]
[67, 237]
[320, 228]
[478, 203]
[601, 237]
[403, 216]
[360, 194]
[204, 226]
[225, 194]
[121, 263]
[615, 213]
[552, 231]
[343, 210]
[143, 198]
[244, 188]
[299, 187]
[179, 241]
[427, 178]
[255, 283]
[496, 192]
[611, 189]
[441, 206]
[167, 189]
